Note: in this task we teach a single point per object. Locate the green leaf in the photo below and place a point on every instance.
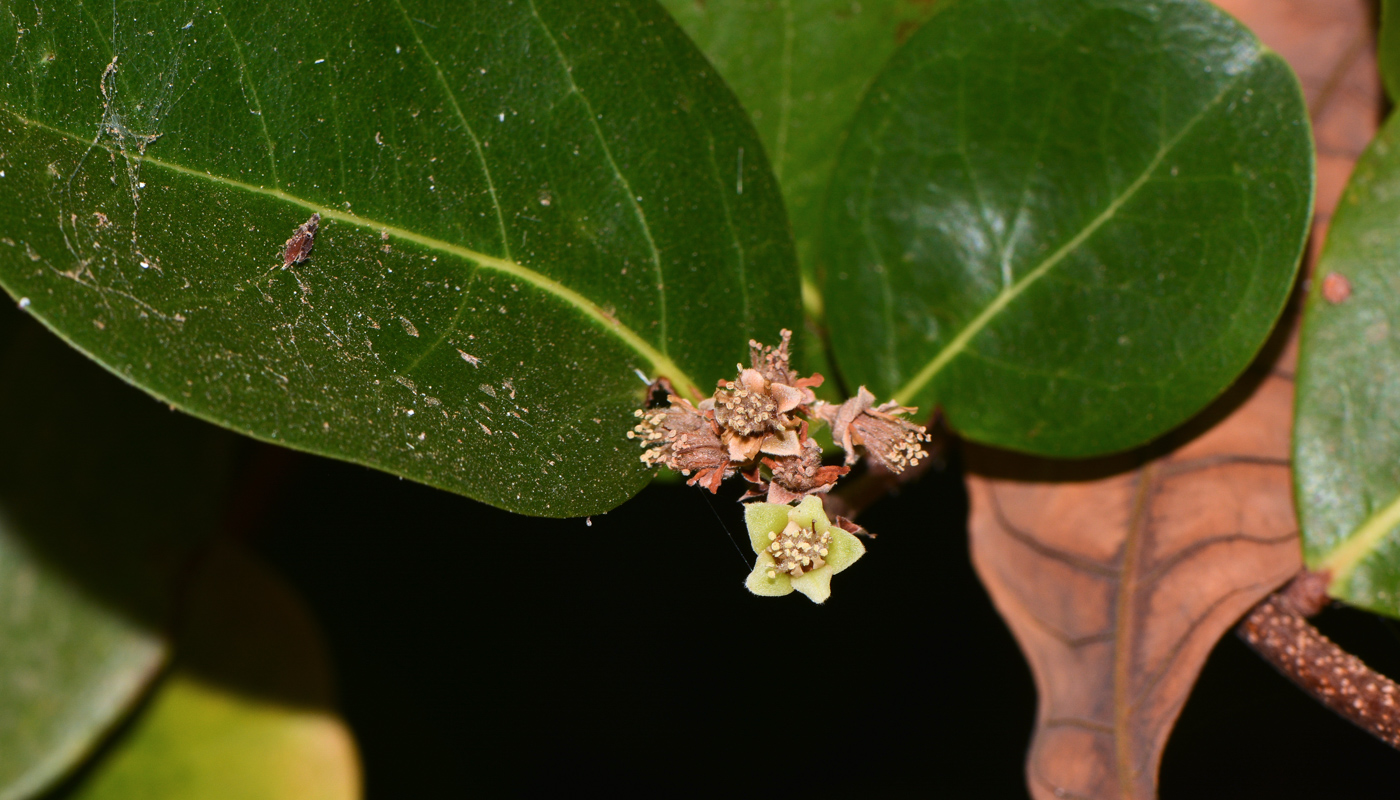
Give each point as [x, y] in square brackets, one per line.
[103, 496]
[69, 668]
[258, 726]
[1071, 223]
[522, 205]
[199, 740]
[1346, 436]
[1389, 46]
[800, 68]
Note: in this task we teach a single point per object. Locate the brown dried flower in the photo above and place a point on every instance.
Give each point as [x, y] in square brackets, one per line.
[886, 438]
[773, 362]
[755, 413]
[765, 412]
[683, 439]
[794, 477]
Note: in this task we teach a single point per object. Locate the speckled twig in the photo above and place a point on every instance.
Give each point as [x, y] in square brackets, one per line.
[1278, 631]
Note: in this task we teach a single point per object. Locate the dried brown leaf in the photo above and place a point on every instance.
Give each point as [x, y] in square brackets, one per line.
[1117, 577]
[1117, 587]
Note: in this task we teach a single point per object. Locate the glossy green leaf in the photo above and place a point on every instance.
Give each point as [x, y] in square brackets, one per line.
[523, 205]
[257, 726]
[103, 496]
[1389, 46]
[1071, 223]
[1346, 436]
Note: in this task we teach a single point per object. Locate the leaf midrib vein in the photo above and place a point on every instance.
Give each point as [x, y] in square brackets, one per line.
[909, 391]
[661, 363]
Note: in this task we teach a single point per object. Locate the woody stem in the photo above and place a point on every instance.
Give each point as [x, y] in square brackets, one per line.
[1278, 630]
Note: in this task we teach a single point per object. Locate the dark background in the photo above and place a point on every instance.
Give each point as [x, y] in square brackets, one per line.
[484, 653]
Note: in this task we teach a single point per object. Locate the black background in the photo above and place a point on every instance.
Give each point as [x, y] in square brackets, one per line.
[484, 653]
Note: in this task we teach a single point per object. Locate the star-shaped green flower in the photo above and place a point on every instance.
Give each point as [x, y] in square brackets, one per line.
[798, 548]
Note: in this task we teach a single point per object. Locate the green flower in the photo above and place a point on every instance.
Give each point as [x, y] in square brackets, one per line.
[798, 548]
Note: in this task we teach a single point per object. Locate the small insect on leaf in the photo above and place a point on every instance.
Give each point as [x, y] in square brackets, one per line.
[298, 248]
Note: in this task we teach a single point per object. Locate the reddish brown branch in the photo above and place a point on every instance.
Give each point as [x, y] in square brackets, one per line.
[1278, 631]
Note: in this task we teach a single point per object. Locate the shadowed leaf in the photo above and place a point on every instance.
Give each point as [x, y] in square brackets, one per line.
[1390, 47]
[69, 669]
[522, 205]
[800, 68]
[104, 495]
[246, 713]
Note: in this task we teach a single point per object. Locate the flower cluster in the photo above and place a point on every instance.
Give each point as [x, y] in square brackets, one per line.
[757, 425]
